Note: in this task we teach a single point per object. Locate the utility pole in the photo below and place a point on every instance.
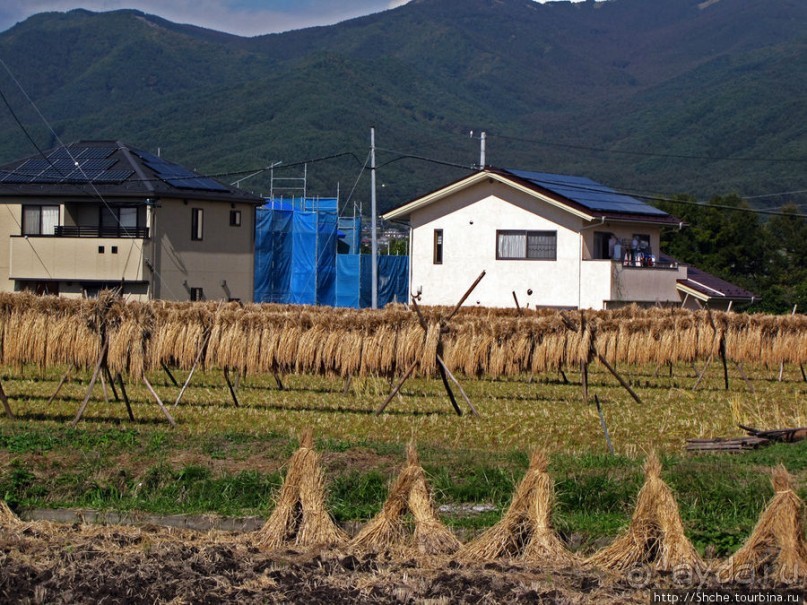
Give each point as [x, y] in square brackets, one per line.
[373, 226]
[482, 140]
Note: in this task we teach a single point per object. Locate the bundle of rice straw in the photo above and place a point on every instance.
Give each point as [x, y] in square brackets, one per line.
[300, 517]
[655, 536]
[526, 529]
[387, 531]
[777, 544]
[7, 517]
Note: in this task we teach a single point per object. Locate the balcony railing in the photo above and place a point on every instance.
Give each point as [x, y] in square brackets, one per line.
[96, 231]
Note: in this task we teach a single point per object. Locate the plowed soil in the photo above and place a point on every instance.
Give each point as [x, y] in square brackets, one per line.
[42, 562]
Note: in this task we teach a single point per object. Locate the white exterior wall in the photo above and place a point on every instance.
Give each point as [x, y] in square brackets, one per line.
[469, 220]
[597, 279]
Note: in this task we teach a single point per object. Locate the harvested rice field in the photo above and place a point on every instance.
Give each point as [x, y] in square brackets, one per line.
[276, 481]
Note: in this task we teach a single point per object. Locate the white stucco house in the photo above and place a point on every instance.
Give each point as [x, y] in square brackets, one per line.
[552, 240]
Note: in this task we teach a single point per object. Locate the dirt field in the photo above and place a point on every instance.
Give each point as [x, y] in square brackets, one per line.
[42, 562]
[47, 563]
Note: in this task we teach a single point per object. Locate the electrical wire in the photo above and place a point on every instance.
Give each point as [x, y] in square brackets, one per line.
[648, 154]
[95, 190]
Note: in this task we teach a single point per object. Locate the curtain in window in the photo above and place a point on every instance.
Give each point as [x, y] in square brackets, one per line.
[50, 219]
[128, 217]
[30, 220]
[512, 245]
[541, 245]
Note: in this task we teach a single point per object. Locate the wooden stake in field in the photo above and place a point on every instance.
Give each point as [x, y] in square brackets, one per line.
[655, 536]
[387, 531]
[300, 517]
[445, 373]
[525, 531]
[777, 544]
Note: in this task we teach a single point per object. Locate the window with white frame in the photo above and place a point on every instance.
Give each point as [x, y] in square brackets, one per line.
[39, 220]
[197, 224]
[514, 244]
[438, 247]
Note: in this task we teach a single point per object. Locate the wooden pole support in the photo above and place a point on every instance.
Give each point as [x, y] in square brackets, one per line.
[167, 370]
[459, 386]
[604, 426]
[621, 380]
[447, 387]
[199, 354]
[59, 386]
[397, 387]
[584, 380]
[703, 371]
[125, 398]
[464, 296]
[111, 382]
[4, 399]
[230, 386]
[518, 306]
[95, 373]
[159, 401]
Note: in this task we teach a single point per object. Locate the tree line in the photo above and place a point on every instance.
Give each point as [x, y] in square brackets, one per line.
[763, 254]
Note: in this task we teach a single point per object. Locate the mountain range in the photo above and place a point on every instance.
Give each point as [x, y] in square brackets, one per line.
[653, 97]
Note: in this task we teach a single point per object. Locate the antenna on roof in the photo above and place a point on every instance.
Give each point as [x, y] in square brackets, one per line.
[482, 141]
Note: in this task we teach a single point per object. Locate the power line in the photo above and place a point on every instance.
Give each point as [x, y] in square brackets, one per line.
[648, 153]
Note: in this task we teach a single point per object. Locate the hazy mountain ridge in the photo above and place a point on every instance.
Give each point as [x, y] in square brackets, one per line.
[674, 78]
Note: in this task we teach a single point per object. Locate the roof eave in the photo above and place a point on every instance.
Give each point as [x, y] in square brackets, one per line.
[717, 296]
[407, 209]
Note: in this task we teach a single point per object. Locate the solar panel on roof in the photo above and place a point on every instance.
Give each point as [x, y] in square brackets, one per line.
[589, 194]
[34, 165]
[77, 152]
[179, 176]
[113, 176]
[97, 164]
[97, 153]
[60, 153]
[15, 178]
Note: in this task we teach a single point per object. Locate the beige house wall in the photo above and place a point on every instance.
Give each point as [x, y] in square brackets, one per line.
[221, 263]
[10, 221]
[166, 265]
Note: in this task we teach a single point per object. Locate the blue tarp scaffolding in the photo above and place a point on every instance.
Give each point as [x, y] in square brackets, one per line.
[296, 259]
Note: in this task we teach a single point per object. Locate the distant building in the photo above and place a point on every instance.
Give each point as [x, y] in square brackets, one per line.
[550, 240]
[99, 214]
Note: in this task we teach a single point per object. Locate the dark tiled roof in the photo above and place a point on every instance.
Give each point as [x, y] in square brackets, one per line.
[109, 168]
[714, 287]
[710, 285]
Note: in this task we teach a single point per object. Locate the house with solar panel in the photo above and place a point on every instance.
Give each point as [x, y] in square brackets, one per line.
[100, 214]
[547, 240]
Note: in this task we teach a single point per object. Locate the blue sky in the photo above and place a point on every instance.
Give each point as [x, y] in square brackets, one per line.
[242, 17]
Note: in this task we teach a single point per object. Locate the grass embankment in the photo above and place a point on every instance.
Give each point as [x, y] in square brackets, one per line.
[230, 461]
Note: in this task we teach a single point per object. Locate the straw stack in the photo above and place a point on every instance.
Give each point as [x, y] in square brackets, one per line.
[7, 518]
[47, 331]
[300, 517]
[431, 536]
[544, 545]
[655, 537]
[777, 543]
[388, 531]
[525, 530]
